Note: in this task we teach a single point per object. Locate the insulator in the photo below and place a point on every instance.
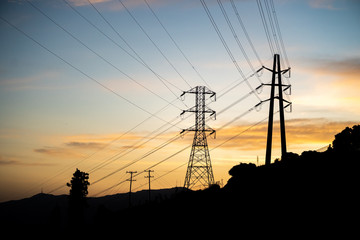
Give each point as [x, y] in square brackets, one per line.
[258, 106]
[289, 90]
[261, 71]
[182, 96]
[259, 89]
[290, 108]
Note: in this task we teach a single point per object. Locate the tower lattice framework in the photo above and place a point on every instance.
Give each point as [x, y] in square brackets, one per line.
[199, 171]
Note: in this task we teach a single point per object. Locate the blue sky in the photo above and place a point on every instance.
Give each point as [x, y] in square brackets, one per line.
[53, 116]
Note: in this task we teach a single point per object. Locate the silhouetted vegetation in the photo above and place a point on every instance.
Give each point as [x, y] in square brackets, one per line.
[297, 190]
[77, 198]
[310, 189]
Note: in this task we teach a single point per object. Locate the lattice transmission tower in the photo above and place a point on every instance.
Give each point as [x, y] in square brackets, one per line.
[199, 171]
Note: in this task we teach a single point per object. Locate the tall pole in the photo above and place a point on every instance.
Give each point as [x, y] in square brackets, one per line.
[281, 109]
[149, 177]
[271, 115]
[276, 72]
[131, 180]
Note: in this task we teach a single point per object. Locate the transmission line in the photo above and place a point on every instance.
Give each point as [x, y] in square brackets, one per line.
[169, 157]
[225, 44]
[152, 41]
[266, 29]
[245, 31]
[137, 58]
[82, 72]
[97, 54]
[176, 45]
[175, 138]
[236, 37]
[279, 33]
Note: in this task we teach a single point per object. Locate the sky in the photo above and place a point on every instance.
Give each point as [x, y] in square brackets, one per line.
[97, 87]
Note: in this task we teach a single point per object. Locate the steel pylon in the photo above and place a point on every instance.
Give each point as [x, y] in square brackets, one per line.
[199, 172]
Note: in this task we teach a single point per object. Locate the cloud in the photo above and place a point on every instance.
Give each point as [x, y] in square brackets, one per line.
[78, 146]
[341, 79]
[299, 133]
[112, 5]
[37, 81]
[322, 4]
[87, 145]
[79, 3]
[8, 161]
[341, 67]
[58, 152]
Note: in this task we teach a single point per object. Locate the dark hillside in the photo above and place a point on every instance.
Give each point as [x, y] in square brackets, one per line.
[310, 188]
[302, 191]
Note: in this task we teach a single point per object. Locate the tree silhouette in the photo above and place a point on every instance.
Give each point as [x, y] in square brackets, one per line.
[77, 199]
[348, 140]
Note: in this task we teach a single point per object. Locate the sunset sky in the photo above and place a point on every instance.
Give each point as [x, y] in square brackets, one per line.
[80, 87]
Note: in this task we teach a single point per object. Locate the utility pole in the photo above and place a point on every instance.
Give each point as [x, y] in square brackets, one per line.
[276, 74]
[199, 168]
[149, 177]
[131, 180]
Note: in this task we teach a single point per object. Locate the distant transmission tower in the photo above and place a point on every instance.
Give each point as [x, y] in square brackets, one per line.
[199, 171]
[276, 74]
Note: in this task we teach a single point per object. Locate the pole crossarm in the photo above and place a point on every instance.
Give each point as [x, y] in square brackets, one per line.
[277, 71]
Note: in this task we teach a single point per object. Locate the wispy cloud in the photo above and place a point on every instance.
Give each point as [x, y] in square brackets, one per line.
[338, 67]
[86, 145]
[42, 80]
[299, 132]
[323, 4]
[8, 161]
[78, 3]
[58, 152]
[115, 5]
[77, 146]
[341, 79]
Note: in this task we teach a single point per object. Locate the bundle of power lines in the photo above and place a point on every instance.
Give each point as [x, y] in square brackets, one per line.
[275, 42]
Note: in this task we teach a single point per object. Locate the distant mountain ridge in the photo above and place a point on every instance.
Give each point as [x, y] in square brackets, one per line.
[45, 208]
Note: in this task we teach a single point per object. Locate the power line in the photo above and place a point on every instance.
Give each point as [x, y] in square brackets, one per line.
[152, 41]
[279, 32]
[163, 175]
[82, 72]
[124, 153]
[102, 164]
[236, 37]
[97, 54]
[245, 31]
[173, 139]
[272, 26]
[138, 58]
[213, 148]
[264, 23]
[176, 45]
[178, 152]
[225, 44]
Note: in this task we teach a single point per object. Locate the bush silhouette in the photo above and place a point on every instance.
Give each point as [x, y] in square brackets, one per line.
[77, 199]
[348, 140]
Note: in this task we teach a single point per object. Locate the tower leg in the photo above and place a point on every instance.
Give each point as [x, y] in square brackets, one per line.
[271, 115]
[281, 109]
